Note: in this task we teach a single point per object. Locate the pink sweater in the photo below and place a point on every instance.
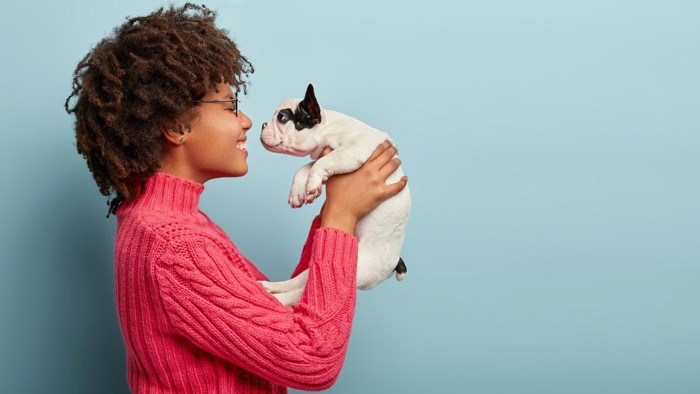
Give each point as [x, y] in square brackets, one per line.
[194, 318]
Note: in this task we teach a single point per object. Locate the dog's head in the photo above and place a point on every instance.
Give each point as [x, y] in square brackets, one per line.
[293, 128]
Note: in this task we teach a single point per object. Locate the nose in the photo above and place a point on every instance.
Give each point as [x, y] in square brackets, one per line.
[264, 125]
[246, 123]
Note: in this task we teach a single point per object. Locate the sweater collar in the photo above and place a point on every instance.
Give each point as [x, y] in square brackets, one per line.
[168, 193]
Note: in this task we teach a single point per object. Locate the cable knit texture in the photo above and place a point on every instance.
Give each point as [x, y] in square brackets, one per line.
[195, 319]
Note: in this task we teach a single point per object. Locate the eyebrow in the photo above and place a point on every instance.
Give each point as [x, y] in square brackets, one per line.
[228, 95]
[225, 96]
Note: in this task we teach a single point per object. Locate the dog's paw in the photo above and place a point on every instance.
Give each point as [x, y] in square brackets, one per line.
[312, 195]
[290, 298]
[297, 196]
[268, 286]
[314, 188]
[296, 201]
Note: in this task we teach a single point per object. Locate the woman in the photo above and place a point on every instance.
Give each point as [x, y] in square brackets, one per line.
[157, 117]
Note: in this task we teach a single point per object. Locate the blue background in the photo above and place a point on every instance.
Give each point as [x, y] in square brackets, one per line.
[552, 149]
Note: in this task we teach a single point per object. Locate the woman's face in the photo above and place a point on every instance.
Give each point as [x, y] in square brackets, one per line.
[216, 143]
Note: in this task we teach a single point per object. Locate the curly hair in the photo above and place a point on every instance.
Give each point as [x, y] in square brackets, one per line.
[147, 74]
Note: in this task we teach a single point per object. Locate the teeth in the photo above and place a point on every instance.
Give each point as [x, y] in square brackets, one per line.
[242, 145]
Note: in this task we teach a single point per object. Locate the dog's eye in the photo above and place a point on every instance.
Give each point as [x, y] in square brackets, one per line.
[282, 118]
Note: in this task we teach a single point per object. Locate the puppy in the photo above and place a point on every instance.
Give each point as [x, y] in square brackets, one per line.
[302, 127]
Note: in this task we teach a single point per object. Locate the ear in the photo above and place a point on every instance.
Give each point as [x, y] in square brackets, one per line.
[310, 105]
[175, 137]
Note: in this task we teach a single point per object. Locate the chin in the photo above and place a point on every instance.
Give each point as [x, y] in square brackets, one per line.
[230, 173]
[239, 172]
[237, 168]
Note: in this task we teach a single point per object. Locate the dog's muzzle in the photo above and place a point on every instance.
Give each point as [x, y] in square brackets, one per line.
[263, 126]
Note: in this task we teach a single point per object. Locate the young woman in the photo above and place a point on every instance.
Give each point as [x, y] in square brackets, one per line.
[157, 117]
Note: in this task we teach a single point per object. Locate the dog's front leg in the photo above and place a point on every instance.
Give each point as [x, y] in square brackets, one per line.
[297, 194]
[340, 161]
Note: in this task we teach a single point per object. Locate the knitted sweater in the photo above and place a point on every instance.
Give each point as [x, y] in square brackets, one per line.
[195, 320]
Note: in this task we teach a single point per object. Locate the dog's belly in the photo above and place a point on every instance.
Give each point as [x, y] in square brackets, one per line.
[380, 237]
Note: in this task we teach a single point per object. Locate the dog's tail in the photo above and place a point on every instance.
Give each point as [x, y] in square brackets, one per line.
[400, 270]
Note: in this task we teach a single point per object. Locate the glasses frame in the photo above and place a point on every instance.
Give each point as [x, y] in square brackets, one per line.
[235, 102]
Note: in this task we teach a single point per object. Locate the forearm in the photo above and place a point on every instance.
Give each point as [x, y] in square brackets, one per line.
[338, 219]
[306, 250]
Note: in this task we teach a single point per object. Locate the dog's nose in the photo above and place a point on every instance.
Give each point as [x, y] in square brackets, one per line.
[264, 125]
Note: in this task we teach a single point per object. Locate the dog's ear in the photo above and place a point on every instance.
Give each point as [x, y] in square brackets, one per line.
[310, 105]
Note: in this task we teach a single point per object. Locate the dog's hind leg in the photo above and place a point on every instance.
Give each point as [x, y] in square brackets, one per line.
[289, 298]
[298, 282]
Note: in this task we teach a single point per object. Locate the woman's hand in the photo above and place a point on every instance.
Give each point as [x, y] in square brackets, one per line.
[351, 196]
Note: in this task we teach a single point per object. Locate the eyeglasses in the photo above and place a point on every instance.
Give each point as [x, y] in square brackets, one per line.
[235, 102]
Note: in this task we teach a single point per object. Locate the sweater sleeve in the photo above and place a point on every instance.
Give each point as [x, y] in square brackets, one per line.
[211, 300]
[306, 250]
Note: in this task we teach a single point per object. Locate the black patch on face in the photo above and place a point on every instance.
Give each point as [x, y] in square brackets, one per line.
[285, 116]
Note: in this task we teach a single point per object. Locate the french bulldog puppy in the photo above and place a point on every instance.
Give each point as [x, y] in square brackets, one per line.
[301, 127]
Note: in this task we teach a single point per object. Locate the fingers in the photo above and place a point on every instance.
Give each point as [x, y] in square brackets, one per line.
[384, 160]
[389, 168]
[384, 157]
[380, 149]
[394, 188]
[387, 165]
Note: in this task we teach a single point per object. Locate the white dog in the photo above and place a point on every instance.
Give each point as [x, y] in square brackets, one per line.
[302, 127]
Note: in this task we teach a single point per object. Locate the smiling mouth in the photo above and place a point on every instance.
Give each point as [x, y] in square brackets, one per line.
[242, 145]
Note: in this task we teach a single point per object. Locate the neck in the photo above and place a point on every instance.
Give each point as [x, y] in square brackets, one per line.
[174, 161]
[165, 192]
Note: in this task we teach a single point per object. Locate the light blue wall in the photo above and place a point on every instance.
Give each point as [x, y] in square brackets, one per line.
[552, 149]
